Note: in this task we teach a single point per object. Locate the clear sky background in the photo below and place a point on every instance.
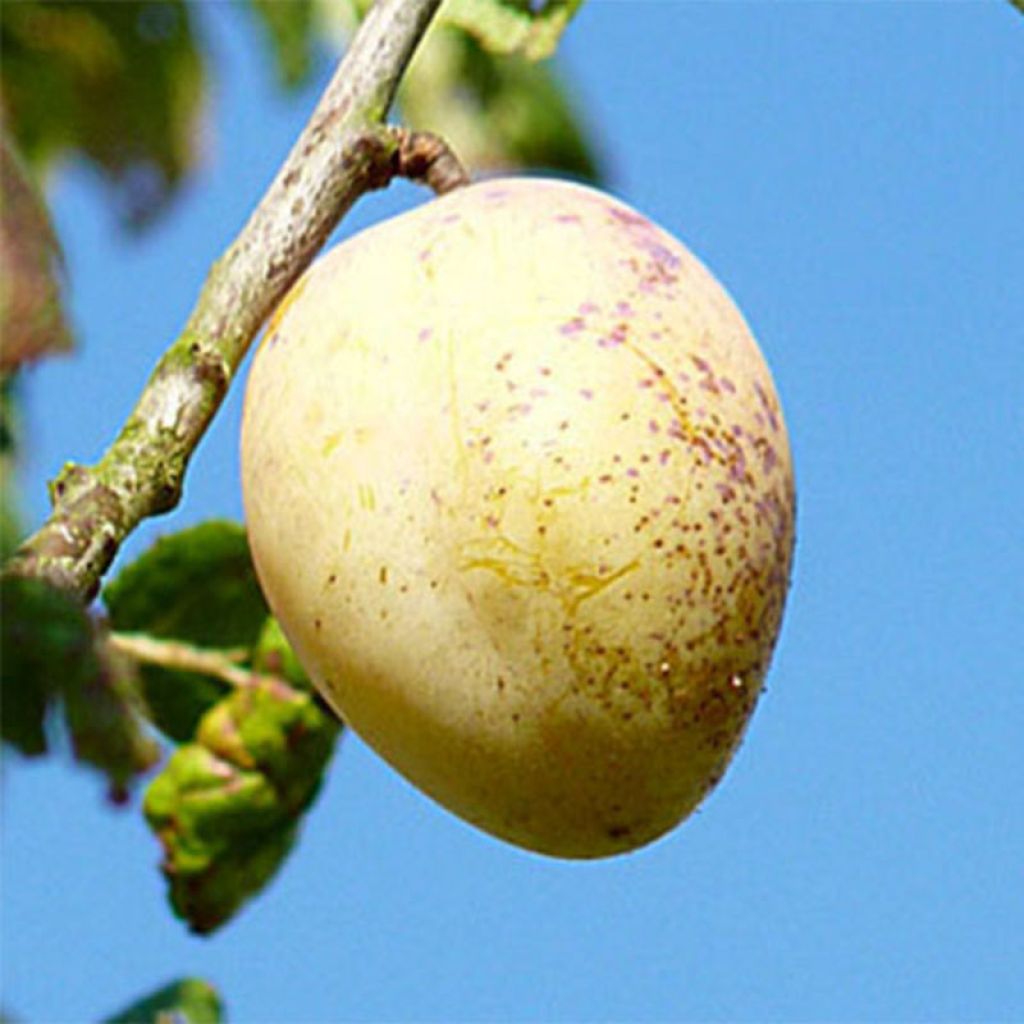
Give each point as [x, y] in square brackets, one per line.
[854, 173]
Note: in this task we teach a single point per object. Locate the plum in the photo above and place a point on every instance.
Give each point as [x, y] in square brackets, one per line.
[519, 489]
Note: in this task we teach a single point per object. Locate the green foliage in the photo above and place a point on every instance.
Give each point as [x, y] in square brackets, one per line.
[53, 651]
[102, 713]
[477, 81]
[513, 26]
[290, 30]
[226, 807]
[227, 804]
[497, 111]
[531, 28]
[10, 524]
[32, 322]
[187, 1001]
[46, 640]
[120, 83]
[273, 655]
[31, 316]
[198, 587]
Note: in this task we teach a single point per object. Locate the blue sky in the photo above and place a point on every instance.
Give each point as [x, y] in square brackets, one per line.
[852, 172]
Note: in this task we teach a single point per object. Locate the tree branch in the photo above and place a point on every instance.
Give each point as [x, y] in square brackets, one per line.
[343, 152]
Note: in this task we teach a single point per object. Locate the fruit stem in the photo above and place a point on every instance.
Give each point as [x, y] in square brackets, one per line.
[427, 158]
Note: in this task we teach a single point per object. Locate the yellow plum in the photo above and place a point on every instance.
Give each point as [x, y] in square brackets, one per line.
[519, 489]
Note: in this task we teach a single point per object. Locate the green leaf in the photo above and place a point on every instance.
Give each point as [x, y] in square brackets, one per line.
[289, 27]
[187, 1001]
[10, 520]
[118, 83]
[227, 807]
[497, 112]
[475, 82]
[31, 316]
[198, 586]
[274, 656]
[269, 727]
[513, 26]
[531, 28]
[103, 715]
[47, 640]
[53, 652]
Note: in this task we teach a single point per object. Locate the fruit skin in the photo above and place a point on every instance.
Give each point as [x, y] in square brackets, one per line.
[519, 490]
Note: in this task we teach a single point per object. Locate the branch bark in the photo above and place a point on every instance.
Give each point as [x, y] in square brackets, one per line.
[344, 151]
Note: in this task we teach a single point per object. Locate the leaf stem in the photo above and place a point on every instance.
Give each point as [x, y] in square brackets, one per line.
[343, 152]
[219, 664]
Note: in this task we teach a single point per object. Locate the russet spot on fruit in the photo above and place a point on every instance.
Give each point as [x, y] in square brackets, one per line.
[518, 488]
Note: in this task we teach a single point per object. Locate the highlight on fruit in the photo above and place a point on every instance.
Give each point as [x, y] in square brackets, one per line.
[518, 488]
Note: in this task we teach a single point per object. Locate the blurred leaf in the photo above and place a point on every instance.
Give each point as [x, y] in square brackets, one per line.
[10, 523]
[51, 651]
[198, 586]
[188, 1001]
[340, 17]
[120, 83]
[226, 808]
[103, 718]
[31, 317]
[497, 112]
[290, 29]
[529, 27]
[274, 656]
[46, 638]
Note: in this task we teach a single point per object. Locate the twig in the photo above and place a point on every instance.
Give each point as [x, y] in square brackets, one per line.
[185, 658]
[343, 152]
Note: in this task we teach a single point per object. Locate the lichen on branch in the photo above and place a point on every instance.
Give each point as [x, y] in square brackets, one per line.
[344, 151]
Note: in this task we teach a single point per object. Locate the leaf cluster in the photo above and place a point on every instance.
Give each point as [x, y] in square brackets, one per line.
[251, 756]
[54, 654]
[118, 83]
[226, 807]
[123, 86]
[188, 651]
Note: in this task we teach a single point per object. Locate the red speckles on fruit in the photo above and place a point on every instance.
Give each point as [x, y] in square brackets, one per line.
[582, 517]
